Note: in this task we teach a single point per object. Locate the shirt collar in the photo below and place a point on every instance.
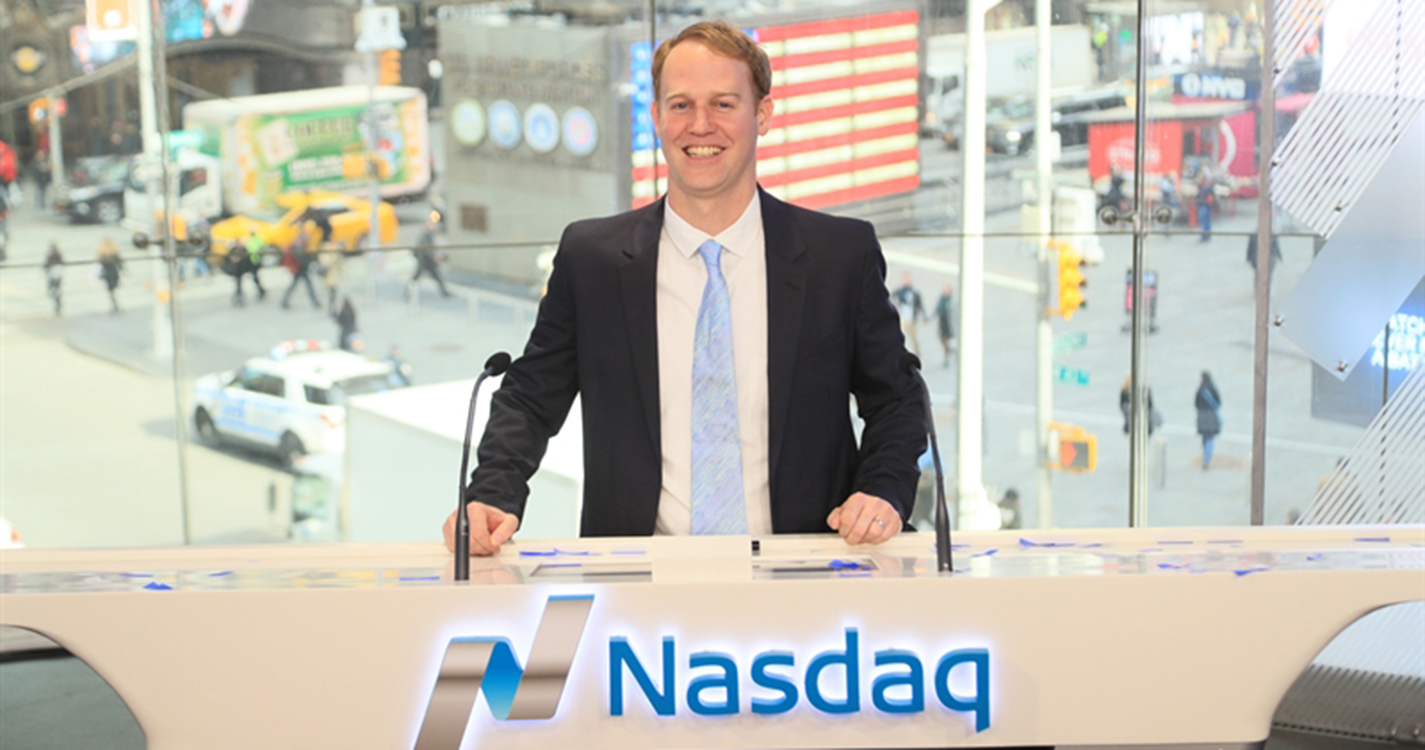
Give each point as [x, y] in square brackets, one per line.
[736, 239]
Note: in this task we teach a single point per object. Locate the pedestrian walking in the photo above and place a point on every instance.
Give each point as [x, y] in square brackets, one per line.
[110, 266]
[1205, 201]
[254, 247]
[332, 273]
[1115, 198]
[945, 322]
[1271, 262]
[41, 173]
[1168, 196]
[346, 326]
[194, 251]
[54, 276]
[1010, 513]
[1209, 415]
[401, 373]
[300, 264]
[235, 262]
[1155, 419]
[321, 218]
[912, 310]
[427, 261]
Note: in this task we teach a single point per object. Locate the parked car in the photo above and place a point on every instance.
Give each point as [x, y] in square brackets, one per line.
[1009, 123]
[96, 193]
[291, 402]
[350, 221]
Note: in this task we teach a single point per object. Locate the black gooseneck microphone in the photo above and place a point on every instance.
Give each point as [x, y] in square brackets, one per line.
[911, 364]
[495, 365]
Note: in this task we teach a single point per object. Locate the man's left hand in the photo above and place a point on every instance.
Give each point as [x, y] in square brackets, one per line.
[865, 519]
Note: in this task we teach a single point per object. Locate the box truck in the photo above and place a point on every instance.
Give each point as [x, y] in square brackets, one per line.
[235, 156]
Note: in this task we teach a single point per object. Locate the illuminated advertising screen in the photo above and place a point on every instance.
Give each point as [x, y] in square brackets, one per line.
[1358, 398]
[844, 128]
[183, 20]
[90, 52]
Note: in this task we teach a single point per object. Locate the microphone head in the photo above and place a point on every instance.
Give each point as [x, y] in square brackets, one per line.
[910, 362]
[497, 363]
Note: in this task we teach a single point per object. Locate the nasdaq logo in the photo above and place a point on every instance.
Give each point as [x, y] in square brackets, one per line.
[512, 691]
[831, 682]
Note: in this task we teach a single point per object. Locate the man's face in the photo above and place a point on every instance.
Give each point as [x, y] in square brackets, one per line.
[708, 118]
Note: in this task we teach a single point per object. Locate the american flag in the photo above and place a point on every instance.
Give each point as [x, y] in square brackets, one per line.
[844, 126]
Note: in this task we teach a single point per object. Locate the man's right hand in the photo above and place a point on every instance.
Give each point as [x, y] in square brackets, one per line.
[489, 528]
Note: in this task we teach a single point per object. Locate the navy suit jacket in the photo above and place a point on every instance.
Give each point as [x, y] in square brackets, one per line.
[831, 333]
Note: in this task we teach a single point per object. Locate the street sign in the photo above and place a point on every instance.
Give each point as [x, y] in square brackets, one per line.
[1071, 341]
[1074, 375]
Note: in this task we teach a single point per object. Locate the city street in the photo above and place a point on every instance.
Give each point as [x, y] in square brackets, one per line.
[83, 391]
[1204, 319]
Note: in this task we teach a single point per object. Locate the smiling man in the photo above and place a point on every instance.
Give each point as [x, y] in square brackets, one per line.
[715, 337]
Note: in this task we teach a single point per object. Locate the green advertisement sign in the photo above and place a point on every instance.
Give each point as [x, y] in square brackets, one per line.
[326, 148]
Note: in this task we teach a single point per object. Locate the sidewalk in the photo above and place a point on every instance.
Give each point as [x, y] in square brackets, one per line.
[443, 338]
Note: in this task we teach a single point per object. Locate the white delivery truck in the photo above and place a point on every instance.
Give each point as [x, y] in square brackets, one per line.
[237, 155]
[1010, 70]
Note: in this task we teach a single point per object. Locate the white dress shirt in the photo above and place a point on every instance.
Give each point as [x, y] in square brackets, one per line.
[682, 274]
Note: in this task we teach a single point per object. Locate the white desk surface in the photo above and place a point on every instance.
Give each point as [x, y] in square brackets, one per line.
[1098, 637]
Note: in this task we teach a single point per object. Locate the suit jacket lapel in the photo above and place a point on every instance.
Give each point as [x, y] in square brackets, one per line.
[786, 295]
[639, 280]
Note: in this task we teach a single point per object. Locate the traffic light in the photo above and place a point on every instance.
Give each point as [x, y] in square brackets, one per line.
[1078, 453]
[1073, 449]
[1071, 283]
[110, 20]
[39, 112]
[390, 74]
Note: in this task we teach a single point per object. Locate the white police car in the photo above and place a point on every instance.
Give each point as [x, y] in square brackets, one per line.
[291, 402]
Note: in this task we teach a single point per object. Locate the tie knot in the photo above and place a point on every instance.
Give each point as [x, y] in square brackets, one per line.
[711, 252]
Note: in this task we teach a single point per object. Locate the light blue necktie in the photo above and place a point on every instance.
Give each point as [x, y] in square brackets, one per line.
[718, 506]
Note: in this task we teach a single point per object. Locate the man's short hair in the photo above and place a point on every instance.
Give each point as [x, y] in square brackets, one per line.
[726, 40]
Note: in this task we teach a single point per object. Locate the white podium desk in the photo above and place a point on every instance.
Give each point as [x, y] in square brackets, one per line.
[1067, 638]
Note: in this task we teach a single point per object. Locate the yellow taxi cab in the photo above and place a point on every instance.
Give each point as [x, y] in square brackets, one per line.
[350, 221]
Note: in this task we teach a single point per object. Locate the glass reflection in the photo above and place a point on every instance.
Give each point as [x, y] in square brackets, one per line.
[497, 128]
